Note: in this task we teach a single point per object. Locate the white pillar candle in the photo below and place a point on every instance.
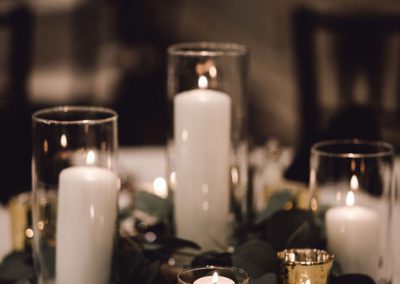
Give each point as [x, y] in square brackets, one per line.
[202, 126]
[214, 279]
[353, 237]
[87, 211]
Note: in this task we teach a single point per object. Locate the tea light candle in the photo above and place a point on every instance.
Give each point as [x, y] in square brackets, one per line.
[202, 126]
[214, 279]
[352, 234]
[87, 208]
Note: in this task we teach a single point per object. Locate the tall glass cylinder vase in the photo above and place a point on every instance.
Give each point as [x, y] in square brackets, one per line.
[352, 183]
[75, 189]
[207, 141]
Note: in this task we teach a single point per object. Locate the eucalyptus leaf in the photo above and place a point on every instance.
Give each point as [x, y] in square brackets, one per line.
[131, 266]
[163, 247]
[282, 225]
[152, 204]
[256, 257]
[16, 267]
[269, 278]
[276, 203]
[307, 235]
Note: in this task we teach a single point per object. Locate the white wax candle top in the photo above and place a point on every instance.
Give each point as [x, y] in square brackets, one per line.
[210, 280]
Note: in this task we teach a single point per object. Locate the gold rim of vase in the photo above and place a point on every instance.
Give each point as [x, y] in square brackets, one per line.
[305, 256]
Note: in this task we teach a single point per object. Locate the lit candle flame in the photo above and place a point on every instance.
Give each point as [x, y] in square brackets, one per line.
[215, 278]
[350, 198]
[203, 82]
[354, 183]
[160, 187]
[90, 158]
[63, 141]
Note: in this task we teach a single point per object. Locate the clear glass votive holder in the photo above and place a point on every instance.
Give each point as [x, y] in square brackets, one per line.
[74, 194]
[213, 274]
[304, 266]
[207, 140]
[352, 185]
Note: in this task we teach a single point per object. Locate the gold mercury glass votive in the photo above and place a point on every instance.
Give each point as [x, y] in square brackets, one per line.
[305, 266]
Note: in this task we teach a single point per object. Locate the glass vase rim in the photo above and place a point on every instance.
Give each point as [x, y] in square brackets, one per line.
[112, 115]
[327, 257]
[212, 267]
[382, 148]
[209, 49]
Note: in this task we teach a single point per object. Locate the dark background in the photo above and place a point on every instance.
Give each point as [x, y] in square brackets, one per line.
[319, 69]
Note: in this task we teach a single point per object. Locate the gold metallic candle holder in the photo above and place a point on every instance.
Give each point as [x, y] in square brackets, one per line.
[305, 266]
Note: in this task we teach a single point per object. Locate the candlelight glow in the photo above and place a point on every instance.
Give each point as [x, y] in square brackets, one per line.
[203, 82]
[213, 71]
[184, 135]
[29, 233]
[63, 141]
[45, 146]
[172, 178]
[90, 158]
[215, 278]
[160, 187]
[350, 198]
[235, 175]
[354, 183]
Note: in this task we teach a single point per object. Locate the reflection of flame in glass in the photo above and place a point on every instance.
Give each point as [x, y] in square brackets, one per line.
[314, 204]
[90, 158]
[235, 175]
[29, 233]
[63, 141]
[350, 198]
[354, 183]
[203, 82]
[173, 178]
[45, 146]
[213, 71]
[92, 214]
[215, 278]
[184, 135]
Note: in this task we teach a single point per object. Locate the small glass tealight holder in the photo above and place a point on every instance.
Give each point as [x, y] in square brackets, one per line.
[213, 274]
[305, 266]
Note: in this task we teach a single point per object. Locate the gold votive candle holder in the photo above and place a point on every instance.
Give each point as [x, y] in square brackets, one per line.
[304, 266]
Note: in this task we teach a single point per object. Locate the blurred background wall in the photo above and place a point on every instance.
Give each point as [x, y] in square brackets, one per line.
[113, 53]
